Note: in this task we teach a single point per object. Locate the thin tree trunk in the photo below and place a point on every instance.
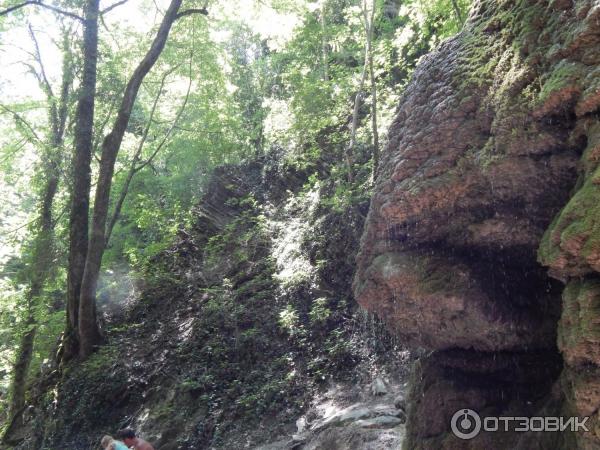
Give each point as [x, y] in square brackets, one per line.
[375, 132]
[89, 334]
[457, 11]
[134, 168]
[324, 50]
[21, 369]
[376, 151]
[81, 173]
[38, 277]
[357, 100]
[43, 247]
[42, 261]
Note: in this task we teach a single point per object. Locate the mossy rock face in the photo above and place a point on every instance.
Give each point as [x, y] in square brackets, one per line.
[579, 326]
[581, 388]
[482, 156]
[445, 302]
[490, 170]
[560, 87]
[590, 99]
[571, 245]
[492, 384]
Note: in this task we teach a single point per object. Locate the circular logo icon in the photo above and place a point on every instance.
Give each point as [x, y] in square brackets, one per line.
[465, 424]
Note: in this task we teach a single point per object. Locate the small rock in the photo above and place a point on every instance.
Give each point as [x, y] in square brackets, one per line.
[300, 437]
[386, 410]
[380, 422]
[301, 424]
[350, 414]
[400, 402]
[297, 441]
[378, 387]
[354, 414]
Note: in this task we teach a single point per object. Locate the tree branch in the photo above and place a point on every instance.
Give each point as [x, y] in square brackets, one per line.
[191, 11]
[16, 7]
[43, 5]
[66, 87]
[20, 118]
[38, 57]
[100, 134]
[173, 125]
[136, 157]
[113, 6]
[8, 154]
[457, 12]
[33, 71]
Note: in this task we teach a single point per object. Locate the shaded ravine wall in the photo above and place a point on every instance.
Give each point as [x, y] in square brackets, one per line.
[482, 242]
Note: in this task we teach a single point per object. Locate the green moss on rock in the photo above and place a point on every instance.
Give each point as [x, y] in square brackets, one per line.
[571, 245]
[579, 327]
[560, 88]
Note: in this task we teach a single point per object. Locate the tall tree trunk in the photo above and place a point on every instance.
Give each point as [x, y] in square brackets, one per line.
[38, 276]
[41, 264]
[43, 247]
[81, 173]
[89, 334]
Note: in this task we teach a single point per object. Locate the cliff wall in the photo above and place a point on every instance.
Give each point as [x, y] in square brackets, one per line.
[490, 179]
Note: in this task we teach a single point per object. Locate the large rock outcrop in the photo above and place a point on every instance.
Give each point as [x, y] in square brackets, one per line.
[497, 131]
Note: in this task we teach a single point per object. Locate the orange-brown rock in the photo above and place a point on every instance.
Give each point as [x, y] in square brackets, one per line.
[492, 167]
[479, 161]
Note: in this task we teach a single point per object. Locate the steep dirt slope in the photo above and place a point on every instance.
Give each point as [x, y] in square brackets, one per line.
[241, 329]
[497, 131]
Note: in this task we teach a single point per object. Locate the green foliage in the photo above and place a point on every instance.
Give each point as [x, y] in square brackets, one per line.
[319, 312]
[443, 18]
[230, 93]
[289, 320]
[318, 68]
[576, 223]
[250, 75]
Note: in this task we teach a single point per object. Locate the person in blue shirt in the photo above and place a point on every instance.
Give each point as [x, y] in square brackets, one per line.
[108, 443]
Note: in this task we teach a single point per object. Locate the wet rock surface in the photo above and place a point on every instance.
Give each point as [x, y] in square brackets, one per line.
[346, 417]
[492, 384]
[493, 155]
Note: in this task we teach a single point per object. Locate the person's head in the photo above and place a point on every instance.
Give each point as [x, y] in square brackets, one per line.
[127, 435]
[106, 441]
